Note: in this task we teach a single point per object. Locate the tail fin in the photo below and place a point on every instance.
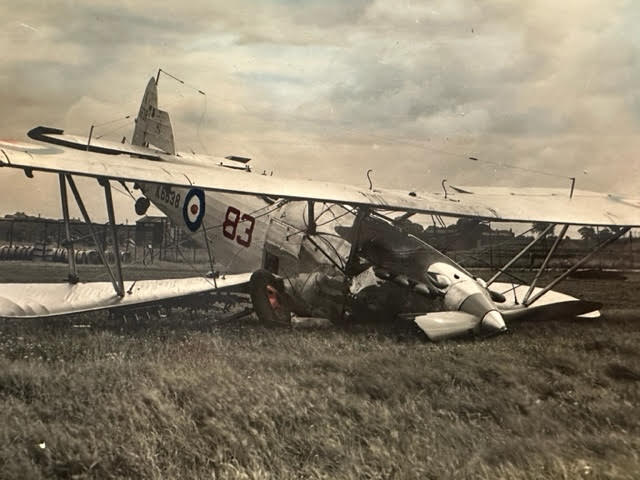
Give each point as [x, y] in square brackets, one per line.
[153, 126]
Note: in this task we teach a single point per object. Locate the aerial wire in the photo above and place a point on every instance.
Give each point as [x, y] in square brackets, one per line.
[119, 119]
[515, 167]
[115, 129]
[204, 107]
[200, 121]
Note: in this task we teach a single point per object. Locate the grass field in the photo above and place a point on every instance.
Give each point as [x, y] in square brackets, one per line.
[188, 397]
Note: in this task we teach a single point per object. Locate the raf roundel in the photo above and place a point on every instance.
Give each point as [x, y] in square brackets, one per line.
[193, 209]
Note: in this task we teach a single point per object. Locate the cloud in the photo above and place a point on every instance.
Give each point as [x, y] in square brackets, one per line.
[329, 89]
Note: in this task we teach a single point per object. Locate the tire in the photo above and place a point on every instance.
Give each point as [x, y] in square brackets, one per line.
[268, 298]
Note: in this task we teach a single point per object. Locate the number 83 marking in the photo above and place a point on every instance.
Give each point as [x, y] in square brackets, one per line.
[230, 226]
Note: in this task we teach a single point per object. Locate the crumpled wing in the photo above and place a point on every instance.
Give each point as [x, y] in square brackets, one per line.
[31, 300]
[516, 205]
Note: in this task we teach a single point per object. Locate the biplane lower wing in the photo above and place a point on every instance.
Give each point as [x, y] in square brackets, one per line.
[36, 300]
[513, 205]
[551, 303]
[448, 324]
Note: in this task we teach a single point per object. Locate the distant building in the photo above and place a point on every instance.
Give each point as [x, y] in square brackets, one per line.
[20, 228]
[151, 231]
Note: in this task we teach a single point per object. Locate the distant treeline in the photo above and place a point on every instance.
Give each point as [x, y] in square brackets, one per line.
[471, 242]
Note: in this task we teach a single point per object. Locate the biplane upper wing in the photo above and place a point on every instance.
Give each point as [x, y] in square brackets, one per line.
[497, 204]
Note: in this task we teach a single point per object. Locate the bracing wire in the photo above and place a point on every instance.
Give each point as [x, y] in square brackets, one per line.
[516, 167]
[204, 106]
[115, 129]
[200, 121]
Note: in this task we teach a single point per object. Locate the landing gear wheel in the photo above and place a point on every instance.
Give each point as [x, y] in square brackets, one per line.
[268, 298]
[142, 205]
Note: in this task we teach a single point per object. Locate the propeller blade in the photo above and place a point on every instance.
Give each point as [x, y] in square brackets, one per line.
[570, 308]
[443, 325]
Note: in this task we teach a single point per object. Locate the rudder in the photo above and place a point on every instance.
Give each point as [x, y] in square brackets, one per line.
[153, 126]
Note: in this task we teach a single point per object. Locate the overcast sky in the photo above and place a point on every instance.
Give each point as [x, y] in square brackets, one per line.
[326, 89]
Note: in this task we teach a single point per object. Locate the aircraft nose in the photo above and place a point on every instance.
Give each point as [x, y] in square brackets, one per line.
[481, 306]
[493, 322]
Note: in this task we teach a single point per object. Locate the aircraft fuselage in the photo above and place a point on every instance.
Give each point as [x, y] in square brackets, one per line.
[246, 233]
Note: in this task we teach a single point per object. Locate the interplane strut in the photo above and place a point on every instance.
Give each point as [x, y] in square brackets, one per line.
[520, 254]
[542, 268]
[73, 273]
[114, 235]
[584, 259]
[118, 286]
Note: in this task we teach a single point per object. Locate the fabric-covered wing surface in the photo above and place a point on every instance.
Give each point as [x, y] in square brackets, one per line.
[31, 300]
[521, 205]
[514, 293]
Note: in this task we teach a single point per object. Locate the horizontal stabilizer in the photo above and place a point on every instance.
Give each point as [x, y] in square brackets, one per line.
[443, 325]
[32, 300]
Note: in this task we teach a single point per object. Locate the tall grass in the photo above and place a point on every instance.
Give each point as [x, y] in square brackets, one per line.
[181, 398]
[187, 397]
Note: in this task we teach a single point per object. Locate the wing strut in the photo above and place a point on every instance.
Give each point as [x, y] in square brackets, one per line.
[73, 272]
[114, 235]
[311, 228]
[521, 253]
[212, 261]
[118, 287]
[552, 250]
[349, 267]
[584, 259]
[363, 212]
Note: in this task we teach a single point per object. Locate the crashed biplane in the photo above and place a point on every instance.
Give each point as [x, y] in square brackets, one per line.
[303, 248]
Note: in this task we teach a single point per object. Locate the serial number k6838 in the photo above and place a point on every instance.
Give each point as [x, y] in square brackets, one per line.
[167, 196]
